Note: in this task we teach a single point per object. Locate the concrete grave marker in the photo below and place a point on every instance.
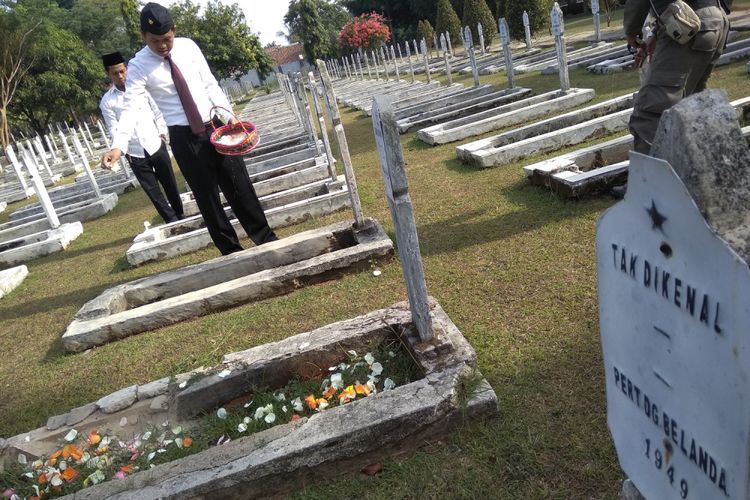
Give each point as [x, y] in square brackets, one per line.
[52, 150]
[411, 64]
[395, 64]
[673, 288]
[480, 31]
[426, 57]
[367, 65]
[450, 44]
[400, 54]
[468, 39]
[85, 140]
[338, 127]
[507, 55]
[393, 168]
[448, 68]
[385, 64]
[597, 21]
[323, 128]
[527, 29]
[416, 47]
[435, 41]
[558, 30]
[11, 155]
[41, 192]
[86, 167]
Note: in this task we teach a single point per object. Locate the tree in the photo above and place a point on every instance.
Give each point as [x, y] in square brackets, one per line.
[367, 32]
[458, 6]
[100, 25]
[477, 12]
[16, 60]
[425, 30]
[539, 12]
[333, 16]
[447, 20]
[64, 79]
[223, 35]
[131, 17]
[400, 15]
[303, 19]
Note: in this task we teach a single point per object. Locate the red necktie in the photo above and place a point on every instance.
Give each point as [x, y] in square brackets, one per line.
[188, 104]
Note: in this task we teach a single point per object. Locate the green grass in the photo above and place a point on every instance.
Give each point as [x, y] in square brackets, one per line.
[512, 264]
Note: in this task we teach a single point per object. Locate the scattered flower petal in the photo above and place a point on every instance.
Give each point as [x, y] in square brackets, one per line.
[22, 459]
[247, 420]
[270, 418]
[280, 396]
[242, 427]
[295, 417]
[369, 358]
[178, 442]
[71, 435]
[248, 404]
[377, 369]
[187, 442]
[284, 409]
[337, 381]
[312, 403]
[352, 353]
[304, 345]
[183, 384]
[389, 384]
[224, 373]
[376, 273]
[177, 430]
[297, 404]
[151, 456]
[221, 413]
[322, 404]
[147, 436]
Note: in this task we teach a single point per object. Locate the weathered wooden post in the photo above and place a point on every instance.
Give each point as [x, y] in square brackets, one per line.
[527, 29]
[502, 25]
[397, 191]
[304, 106]
[558, 30]
[323, 128]
[346, 159]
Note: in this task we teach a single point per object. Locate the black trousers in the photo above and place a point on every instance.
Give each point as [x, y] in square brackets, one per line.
[155, 169]
[206, 171]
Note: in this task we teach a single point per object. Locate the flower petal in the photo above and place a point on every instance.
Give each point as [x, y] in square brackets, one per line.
[221, 413]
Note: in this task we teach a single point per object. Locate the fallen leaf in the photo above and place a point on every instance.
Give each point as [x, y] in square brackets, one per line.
[372, 469]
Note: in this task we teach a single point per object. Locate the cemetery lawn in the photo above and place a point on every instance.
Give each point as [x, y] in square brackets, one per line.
[513, 266]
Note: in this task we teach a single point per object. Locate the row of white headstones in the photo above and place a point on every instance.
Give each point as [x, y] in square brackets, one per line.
[352, 66]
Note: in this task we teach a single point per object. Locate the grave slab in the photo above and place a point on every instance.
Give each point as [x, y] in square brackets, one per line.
[330, 443]
[504, 116]
[39, 244]
[259, 272]
[11, 278]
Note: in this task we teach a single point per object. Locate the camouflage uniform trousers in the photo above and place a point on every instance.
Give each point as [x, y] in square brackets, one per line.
[677, 71]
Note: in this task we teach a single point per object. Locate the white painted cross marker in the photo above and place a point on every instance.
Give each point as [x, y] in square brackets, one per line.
[411, 64]
[41, 192]
[393, 168]
[426, 61]
[450, 44]
[558, 29]
[480, 31]
[86, 167]
[17, 168]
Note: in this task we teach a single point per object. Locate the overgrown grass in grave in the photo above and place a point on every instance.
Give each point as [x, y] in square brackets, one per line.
[84, 460]
[512, 264]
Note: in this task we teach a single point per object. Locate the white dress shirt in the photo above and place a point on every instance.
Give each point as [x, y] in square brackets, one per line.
[149, 123]
[150, 73]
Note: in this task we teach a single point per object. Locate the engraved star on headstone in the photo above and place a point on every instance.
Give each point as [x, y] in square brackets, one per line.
[657, 219]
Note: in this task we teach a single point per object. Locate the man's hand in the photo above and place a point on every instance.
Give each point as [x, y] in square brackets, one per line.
[110, 158]
[233, 121]
[164, 139]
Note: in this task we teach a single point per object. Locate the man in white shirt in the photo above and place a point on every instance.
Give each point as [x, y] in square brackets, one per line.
[176, 74]
[147, 149]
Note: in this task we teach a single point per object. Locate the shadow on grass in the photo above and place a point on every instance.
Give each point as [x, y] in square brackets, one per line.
[69, 254]
[537, 208]
[51, 303]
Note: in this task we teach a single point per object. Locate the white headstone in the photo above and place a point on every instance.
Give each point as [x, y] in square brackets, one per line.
[51, 148]
[411, 64]
[443, 44]
[674, 322]
[450, 44]
[594, 6]
[426, 61]
[468, 40]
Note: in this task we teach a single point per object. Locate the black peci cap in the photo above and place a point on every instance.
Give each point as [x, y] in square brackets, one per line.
[112, 59]
[156, 19]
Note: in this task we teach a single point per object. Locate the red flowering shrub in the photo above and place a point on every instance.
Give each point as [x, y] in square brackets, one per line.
[367, 31]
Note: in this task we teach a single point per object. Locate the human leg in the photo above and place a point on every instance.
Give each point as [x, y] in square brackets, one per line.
[197, 164]
[165, 175]
[143, 171]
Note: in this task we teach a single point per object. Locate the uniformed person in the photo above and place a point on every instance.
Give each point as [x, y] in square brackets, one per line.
[676, 70]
